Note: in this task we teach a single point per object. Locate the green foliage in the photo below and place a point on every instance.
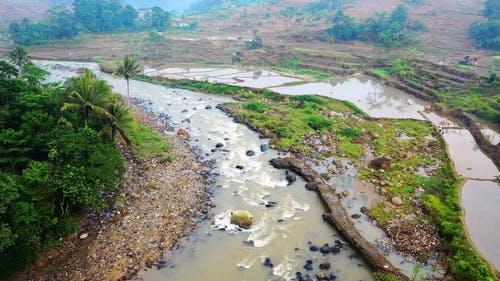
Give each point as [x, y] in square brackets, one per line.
[444, 208]
[350, 132]
[126, 69]
[255, 43]
[380, 72]
[87, 16]
[18, 56]
[293, 65]
[407, 66]
[51, 165]
[256, 106]
[318, 123]
[390, 30]
[379, 276]
[156, 19]
[383, 214]
[310, 98]
[344, 27]
[351, 150]
[147, 143]
[492, 9]
[487, 34]
[303, 71]
[354, 108]
[90, 96]
[479, 98]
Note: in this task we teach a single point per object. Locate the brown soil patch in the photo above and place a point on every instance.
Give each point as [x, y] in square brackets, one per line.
[418, 239]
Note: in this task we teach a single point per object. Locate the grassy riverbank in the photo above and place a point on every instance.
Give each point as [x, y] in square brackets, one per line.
[317, 127]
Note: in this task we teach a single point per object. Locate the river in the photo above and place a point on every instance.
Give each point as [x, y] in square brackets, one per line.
[291, 223]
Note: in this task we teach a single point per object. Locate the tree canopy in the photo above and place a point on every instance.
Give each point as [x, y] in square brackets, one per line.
[87, 16]
[53, 162]
[390, 30]
[487, 34]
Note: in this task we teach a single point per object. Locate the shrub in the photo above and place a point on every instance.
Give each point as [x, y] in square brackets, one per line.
[309, 98]
[350, 132]
[319, 123]
[256, 106]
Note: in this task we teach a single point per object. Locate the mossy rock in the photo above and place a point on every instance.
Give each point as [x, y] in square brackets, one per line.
[242, 219]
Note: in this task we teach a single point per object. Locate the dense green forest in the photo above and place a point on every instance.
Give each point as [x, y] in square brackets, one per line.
[57, 157]
[390, 30]
[88, 16]
[487, 34]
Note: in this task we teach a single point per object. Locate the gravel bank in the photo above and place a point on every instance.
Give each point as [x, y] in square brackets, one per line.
[161, 203]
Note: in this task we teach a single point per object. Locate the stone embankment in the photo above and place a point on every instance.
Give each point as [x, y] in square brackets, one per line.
[338, 216]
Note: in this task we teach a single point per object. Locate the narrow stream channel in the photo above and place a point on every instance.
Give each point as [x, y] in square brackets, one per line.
[291, 223]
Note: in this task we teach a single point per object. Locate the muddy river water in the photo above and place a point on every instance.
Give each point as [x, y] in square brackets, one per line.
[287, 217]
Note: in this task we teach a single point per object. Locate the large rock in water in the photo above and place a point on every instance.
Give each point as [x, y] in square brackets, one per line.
[380, 163]
[182, 133]
[242, 219]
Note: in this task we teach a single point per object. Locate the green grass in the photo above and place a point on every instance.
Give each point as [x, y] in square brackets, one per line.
[323, 53]
[380, 72]
[146, 143]
[462, 67]
[304, 71]
[496, 61]
[481, 99]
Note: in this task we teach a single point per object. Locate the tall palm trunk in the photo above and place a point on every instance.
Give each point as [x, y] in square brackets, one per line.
[128, 93]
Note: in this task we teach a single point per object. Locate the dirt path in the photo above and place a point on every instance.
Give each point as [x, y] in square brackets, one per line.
[161, 204]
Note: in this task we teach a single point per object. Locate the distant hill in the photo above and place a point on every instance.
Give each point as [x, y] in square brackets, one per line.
[167, 5]
[13, 10]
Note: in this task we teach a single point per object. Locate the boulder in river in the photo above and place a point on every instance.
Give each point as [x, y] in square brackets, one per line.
[267, 262]
[356, 216]
[308, 265]
[291, 178]
[242, 219]
[250, 153]
[183, 133]
[325, 266]
[270, 204]
[311, 186]
[264, 147]
[326, 249]
[380, 163]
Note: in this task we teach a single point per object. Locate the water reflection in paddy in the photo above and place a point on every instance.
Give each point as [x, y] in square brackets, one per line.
[481, 201]
[370, 96]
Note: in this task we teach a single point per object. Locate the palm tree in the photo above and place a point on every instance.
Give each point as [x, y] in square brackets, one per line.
[121, 119]
[127, 69]
[89, 94]
[18, 56]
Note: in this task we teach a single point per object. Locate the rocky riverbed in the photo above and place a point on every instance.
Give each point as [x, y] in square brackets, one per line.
[160, 203]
